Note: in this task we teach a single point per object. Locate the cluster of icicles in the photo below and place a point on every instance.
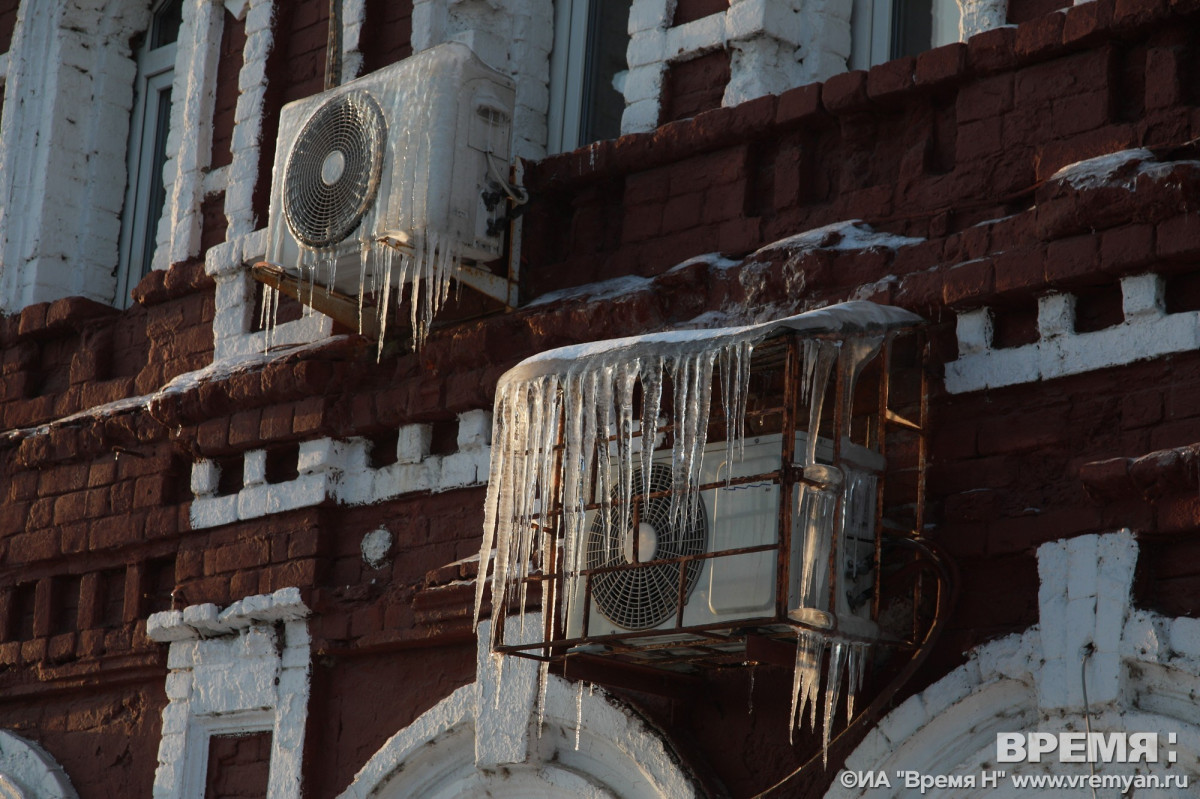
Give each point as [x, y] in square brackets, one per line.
[429, 252]
[564, 423]
[384, 271]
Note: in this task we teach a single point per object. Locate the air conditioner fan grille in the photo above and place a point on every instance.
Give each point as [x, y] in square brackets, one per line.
[332, 173]
[642, 598]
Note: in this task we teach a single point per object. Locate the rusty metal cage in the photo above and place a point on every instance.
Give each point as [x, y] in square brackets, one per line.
[868, 427]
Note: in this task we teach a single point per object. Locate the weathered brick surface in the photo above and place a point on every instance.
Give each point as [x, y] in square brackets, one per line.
[954, 148]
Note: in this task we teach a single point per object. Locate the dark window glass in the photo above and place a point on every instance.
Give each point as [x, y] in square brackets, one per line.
[167, 21]
[608, 39]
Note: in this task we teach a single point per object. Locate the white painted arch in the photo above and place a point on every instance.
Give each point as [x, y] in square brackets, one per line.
[1141, 672]
[490, 739]
[27, 771]
[619, 757]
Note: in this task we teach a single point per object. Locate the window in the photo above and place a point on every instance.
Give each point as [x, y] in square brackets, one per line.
[587, 71]
[151, 122]
[887, 29]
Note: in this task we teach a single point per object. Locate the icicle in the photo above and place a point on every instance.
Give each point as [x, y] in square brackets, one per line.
[652, 385]
[819, 365]
[498, 659]
[854, 670]
[833, 686]
[383, 300]
[365, 251]
[578, 713]
[543, 679]
[626, 379]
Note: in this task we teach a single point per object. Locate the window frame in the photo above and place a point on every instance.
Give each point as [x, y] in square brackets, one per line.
[150, 125]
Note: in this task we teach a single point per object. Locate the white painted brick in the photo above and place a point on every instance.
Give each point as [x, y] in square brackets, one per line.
[644, 83]
[205, 476]
[951, 689]
[356, 449]
[223, 259]
[254, 468]
[254, 245]
[428, 25]
[1082, 562]
[303, 492]
[902, 722]
[203, 618]
[1052, 626]
[1142, 296]
[213, 512]
[474, 429]
[180, 654]
[253, 74]
[257, 48]
[763, 18]
[700, 36]
[648, 14]
[981, 15]
[1005, 658]
[870, 753]
[1056, 315]
[1145, 637]
[1185, 636]
[640, 116]
[320, 455]
[534, 96]
[252, 502]
[974, 331]
[760, 67]
[1052, 684]
[646, 48]
[174, 719]
[166, 626]
[413, 442]
[179, 685]
[292, 681]
[458, 470]
[259, 15]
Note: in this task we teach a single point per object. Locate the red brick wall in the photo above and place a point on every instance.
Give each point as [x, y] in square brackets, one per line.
[295, 69]
[229, 67]
[694, 86]
[238, 766]
[386, 33]
[953, 146]
[692, 10]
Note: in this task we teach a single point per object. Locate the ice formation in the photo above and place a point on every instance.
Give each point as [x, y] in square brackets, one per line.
[411, 237]
[566, 429]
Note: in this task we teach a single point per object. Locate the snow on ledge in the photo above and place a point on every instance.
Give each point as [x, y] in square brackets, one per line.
[852, 234]
[1119, 170]
[848, 318]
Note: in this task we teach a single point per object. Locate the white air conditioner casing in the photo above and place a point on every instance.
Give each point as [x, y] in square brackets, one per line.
[737, 588]
[433, 121]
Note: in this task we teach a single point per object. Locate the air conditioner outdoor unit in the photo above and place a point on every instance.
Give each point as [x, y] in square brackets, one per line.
[733, 515]
[409, 155]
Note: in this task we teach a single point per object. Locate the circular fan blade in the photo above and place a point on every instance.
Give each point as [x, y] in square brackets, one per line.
[642, 598]
[332, 172]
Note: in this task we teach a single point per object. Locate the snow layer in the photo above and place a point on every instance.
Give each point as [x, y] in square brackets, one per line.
[853, 234]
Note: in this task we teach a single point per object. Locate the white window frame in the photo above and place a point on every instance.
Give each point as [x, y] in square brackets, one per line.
[871, 29]
[156, 76]
[568, 63]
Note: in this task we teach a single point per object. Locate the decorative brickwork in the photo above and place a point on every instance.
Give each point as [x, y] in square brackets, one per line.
[1030, 191]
